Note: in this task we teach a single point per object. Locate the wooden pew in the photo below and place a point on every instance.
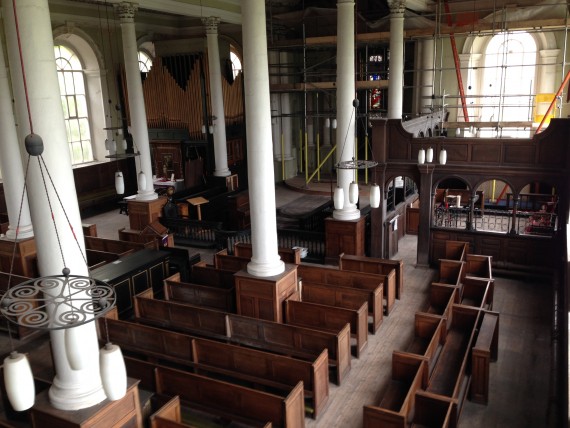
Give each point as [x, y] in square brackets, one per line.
[168, 416]
[201, 295]
[451, 272]
[451, 375]
[477, 292]
[246, 364]
[430, 332]
[222, 399]
[99, 257]
[479, 266]
[345, 297]
[456, 250]
[432, 410]
[114, 245]
[285, 339]
[366, 281]
[441, 299]
[330, 318]
[288, 255]
[222, 260]
[374, 265]
[202, 273]
[486, 349]
[395, 410]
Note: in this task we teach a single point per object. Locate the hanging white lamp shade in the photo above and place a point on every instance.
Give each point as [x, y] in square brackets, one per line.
[141, 181]
[353, 193]
[113, 146]
[443, 156]
[334, 123]
[75, 348]
[113, 372]
[107, 144]
[429, 155]
[421, 156]
[203, 129]
[124, 144]
[119, 183]
[374, 196]
[19, 381]
[338, 198]
[327, 123]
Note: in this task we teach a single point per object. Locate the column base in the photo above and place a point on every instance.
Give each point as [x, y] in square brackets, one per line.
[264, 270]
[222, 173]
[146, 195]
[348, 214]
[75, 398]
[23, 232]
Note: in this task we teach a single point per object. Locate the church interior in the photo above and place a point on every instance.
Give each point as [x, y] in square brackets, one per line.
[284, 213]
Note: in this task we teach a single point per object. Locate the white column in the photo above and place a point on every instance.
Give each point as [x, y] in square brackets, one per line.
[139, 128]
[287, 123]
[547, 72]
[265, 260]
[20, 222]
[426, 75]
[345, 95]
[217, 98]
[396, 78]
[71, 389]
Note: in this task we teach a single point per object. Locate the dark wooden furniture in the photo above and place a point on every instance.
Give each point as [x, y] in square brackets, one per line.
[200, 295]
[477, 265]
[456, 250]
[288, 255]
[7, 281]
[344, 236]
[115, 245]
[451, 272]
[121, 413]
[203, 273]
[23, 255]
[132, 274]
[346, 297]
[238, 216]
[486, 349]
[330, 318]
[374, 265]
[143, 213]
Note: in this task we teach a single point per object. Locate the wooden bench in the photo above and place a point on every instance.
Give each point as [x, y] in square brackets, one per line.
[330, 318]
[396, 408]
[451, 272]
[351, 298]
[285, 339]
[432, 410]
[456, 250]
[486, 349]
[430, 332]
[222, 399]
[114, 245]
[222, 260]
[366, 281]
[245, 364]
[168, 415]
[288, 255]
[374, 265]
[477, 292]
[478, 266]
[200, 295]
[203, 273]
[98, 257]
[441, 299]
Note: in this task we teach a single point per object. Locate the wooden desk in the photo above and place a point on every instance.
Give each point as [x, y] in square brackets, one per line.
[197, 202]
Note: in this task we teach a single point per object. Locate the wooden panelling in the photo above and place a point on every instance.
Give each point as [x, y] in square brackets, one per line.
[485, 153]
[518, 154]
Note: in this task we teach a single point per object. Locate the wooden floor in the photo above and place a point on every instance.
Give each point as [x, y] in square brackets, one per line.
[519, 395]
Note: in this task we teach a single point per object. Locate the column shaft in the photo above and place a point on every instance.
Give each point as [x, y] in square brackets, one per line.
[265, 259]
[396, 78]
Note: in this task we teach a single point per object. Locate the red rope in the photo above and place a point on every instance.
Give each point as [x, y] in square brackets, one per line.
[22, 65]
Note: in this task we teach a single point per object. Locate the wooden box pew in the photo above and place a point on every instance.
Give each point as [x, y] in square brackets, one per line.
[486, 349]
[432, 410]
[207, 296]
[114, 245]
[374, 265]
[345, 297]
[397, 406]
[451, 375]
[352, 279]
[330, 318]
[430, 332]
[451, 272]
[477, 292]
[298, 342]
[223, 260]
[203, 273]
[478, 266]
[441, 299]
[99, 257]
[256, 367]
[456, 250]
[288, 255]
[168, 415]
[209, 399]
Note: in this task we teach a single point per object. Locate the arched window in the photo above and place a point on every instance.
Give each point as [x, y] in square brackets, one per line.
[145, 62]
[74, 104]
[236, 61]
[509, 82]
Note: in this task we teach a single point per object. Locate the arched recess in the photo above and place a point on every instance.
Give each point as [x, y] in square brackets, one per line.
[451, 202]
[398, 189]
[92, 59]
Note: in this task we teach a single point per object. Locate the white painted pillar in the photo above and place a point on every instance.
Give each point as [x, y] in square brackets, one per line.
[287, 123]
[345, 95]
[396, 78]
[217, 97]
[71, 389]
[547, 72]
[275, 104]
[12, 169]
[426, 75]
[265, 260]
[139, 127]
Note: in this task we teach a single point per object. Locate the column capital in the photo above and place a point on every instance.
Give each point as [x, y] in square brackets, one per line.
[211, 23]
[126, 11]
[397, 6]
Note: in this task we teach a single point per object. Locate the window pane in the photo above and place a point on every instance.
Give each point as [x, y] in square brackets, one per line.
[81, 105]
[74, 130]
[65, 109]
[76, 153]
[84, 129]
[78, 82]
[87, 153]
[69, 83]
[71, 106]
